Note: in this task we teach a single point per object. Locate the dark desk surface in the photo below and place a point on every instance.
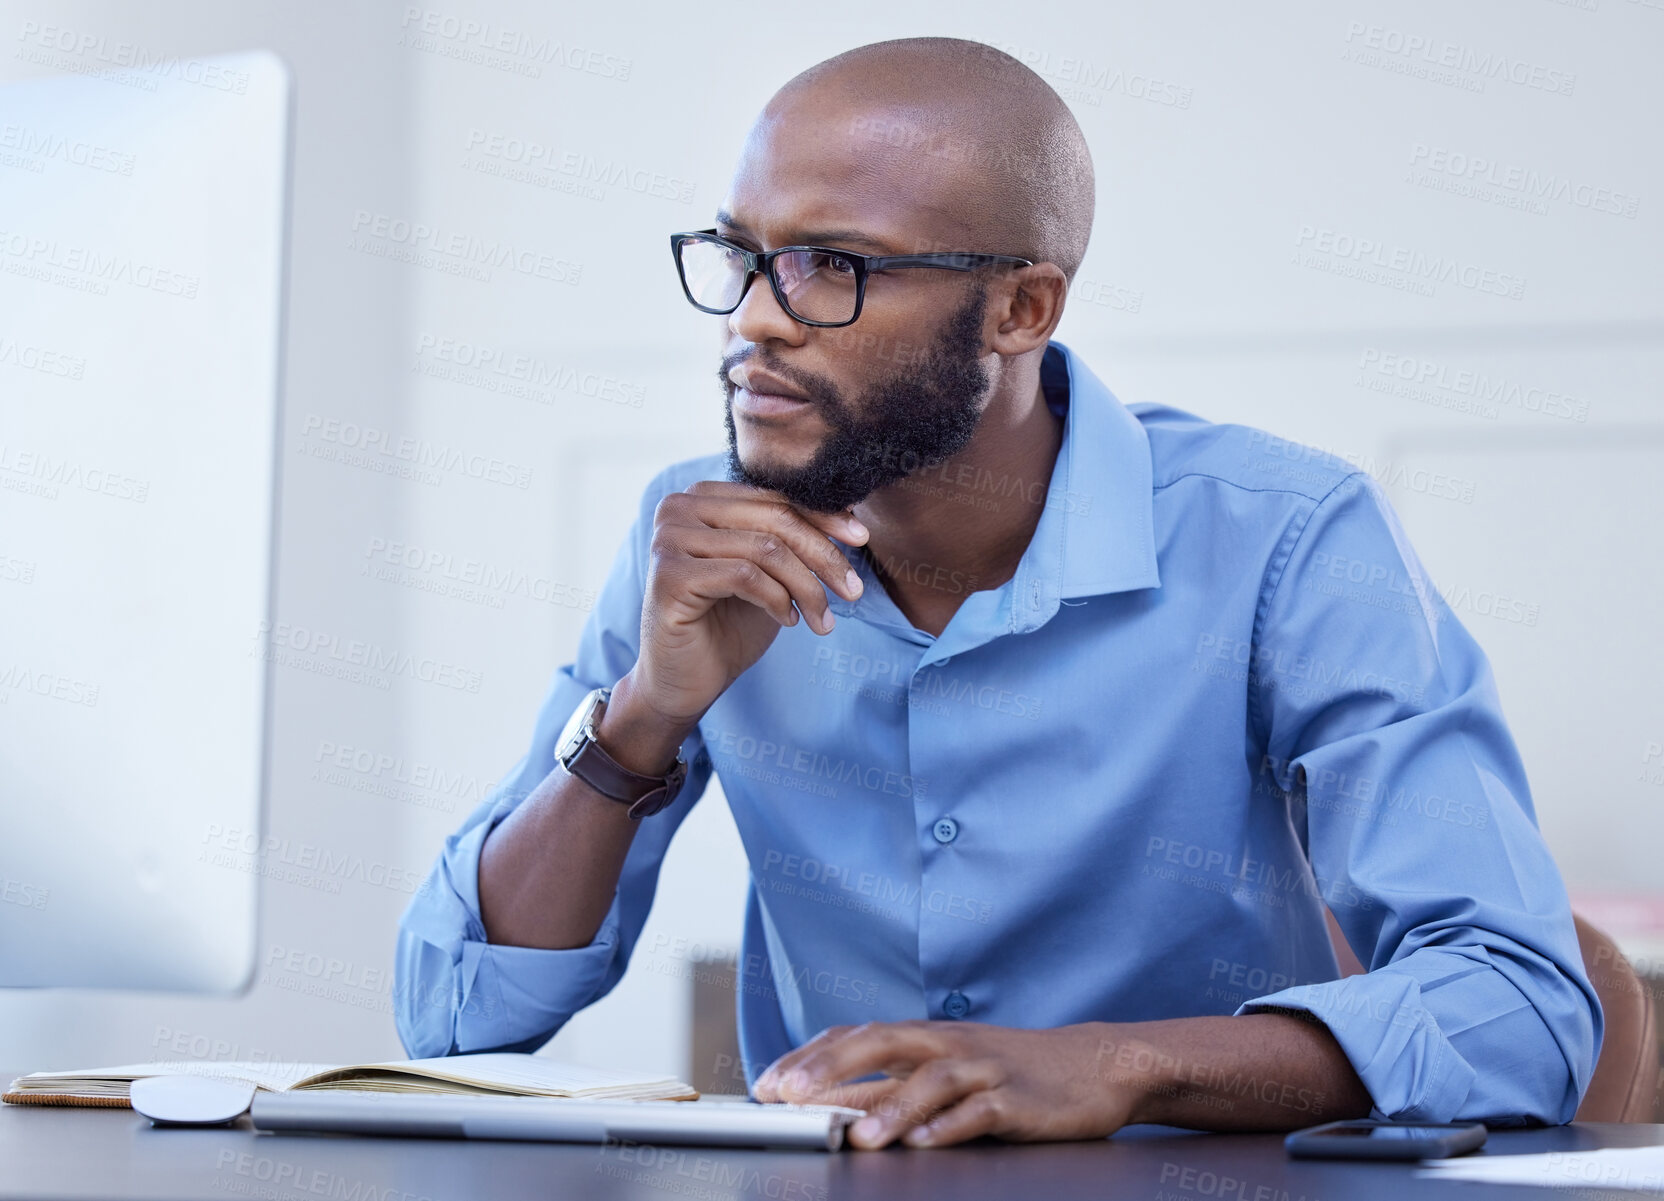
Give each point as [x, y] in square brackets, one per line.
[50, 1152]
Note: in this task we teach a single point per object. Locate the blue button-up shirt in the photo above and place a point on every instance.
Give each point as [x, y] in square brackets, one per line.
[1218, 695]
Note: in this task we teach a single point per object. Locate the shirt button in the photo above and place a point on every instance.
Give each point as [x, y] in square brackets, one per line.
[945, 829]
[957, 1005]
[944, 661]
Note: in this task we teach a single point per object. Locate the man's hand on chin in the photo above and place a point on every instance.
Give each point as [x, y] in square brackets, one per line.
[952, 1081]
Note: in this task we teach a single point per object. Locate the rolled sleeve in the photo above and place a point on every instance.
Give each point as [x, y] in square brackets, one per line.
[454, 991]
[1383, 731]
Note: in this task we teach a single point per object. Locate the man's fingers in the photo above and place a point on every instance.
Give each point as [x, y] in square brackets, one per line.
[894, 1047]
[806, 540]
[936, 1086]
[767, 1087]
[980, 1113]
[843, 525]
[715, 579]
[770, 552]
[805, 532]
[868, 1094]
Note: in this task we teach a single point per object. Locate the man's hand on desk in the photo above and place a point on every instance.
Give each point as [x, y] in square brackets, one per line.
[953, 1081]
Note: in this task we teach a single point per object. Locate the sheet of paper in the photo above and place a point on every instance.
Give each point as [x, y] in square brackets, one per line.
[1631, 1169]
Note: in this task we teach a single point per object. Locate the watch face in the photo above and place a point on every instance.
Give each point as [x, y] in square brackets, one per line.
[574, 727]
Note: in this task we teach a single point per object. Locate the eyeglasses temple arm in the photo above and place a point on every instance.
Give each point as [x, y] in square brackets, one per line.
[947, 262]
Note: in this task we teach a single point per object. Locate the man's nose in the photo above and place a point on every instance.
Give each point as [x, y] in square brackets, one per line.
[760, 318]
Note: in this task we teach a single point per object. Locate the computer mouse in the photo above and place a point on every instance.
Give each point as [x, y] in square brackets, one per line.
[190, 1100]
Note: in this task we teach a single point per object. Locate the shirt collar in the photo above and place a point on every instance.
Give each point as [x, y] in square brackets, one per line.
[1100, 502]
[1096, 531]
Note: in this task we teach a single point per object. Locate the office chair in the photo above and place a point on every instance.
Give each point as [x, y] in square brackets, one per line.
[1624, 1087]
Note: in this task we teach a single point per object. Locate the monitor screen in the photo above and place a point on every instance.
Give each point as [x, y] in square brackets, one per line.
[141, 291]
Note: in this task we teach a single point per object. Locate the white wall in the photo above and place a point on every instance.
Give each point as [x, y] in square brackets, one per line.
[1206, 286]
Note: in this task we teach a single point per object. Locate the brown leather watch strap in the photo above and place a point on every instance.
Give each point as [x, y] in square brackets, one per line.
[645, 795]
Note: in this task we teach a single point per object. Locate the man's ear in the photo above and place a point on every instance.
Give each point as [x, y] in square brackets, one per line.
[1029, 303]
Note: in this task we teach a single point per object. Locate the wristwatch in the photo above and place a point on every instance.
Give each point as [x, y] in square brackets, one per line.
[581, 755]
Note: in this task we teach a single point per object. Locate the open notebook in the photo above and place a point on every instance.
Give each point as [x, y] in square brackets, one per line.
[495, 1073]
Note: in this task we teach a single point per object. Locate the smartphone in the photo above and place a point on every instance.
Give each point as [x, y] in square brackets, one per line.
[1384, 1140]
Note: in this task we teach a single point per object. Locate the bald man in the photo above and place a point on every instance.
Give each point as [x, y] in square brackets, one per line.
[1055, 730]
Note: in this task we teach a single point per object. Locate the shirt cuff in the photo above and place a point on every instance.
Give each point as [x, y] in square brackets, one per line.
[497, 995]
[509, 995]
[1409, 1067]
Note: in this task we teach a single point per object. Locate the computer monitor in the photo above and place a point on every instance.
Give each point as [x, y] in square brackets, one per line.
[142, 219]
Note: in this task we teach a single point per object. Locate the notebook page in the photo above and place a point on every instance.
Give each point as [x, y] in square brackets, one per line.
[517, 1072]
[274, 1075]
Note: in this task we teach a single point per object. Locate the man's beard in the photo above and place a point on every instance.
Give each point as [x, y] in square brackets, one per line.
[905, 422]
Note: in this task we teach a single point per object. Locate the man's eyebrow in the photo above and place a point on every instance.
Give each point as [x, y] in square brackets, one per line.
[809, 237]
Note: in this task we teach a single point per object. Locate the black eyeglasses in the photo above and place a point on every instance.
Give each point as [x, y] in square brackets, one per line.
[817, 285]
